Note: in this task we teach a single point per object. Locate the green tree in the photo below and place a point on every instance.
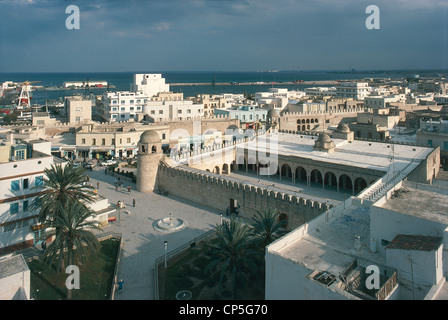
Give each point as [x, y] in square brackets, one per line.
[61, 184]
[73, 239]
[234, 253]
[9, 118]
[267, 226]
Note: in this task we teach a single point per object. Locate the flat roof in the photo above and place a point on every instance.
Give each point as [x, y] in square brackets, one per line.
[331, 246]
[358, 153]
[430, 205]
[12, 265]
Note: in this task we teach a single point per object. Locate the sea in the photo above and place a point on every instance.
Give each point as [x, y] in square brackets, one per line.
[120, 81]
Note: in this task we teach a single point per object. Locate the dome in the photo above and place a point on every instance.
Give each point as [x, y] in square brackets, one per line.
[150, 136]
[323, 137]
[343, 128]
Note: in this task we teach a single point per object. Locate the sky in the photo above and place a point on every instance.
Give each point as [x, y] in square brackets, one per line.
[222, 35]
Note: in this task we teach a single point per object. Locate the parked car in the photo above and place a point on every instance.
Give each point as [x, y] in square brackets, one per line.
[89, 165]
[108, 162]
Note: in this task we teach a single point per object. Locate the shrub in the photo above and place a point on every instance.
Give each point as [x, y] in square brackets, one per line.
[183, 282]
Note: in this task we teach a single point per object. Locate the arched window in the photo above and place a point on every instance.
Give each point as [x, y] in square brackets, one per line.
[154, 149]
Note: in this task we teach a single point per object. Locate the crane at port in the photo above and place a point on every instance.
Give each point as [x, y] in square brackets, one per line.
[24, 100]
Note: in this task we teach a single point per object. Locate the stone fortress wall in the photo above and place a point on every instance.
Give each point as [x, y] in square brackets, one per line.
[216, 191]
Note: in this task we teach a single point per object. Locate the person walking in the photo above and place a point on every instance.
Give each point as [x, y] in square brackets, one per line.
[129, 189]
[133, 202]
[120, 285]
[98, 185]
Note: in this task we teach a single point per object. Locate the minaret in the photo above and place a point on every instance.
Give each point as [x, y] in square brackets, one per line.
[148, 157]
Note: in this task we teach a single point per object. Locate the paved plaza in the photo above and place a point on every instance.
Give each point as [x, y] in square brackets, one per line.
[142, 243]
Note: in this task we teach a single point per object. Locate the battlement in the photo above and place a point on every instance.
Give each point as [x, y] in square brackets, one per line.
[322, 113]
[217, 190]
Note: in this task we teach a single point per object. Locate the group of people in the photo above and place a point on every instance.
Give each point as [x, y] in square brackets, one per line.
[119, 183]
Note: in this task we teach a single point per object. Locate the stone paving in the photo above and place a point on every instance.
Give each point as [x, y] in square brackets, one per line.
[142, 243]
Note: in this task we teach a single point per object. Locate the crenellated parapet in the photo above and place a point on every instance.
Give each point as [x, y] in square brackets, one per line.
[216, 191]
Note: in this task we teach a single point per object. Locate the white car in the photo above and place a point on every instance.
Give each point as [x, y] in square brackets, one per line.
[108, 162]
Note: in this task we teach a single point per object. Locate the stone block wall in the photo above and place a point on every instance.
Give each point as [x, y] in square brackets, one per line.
[216, 192]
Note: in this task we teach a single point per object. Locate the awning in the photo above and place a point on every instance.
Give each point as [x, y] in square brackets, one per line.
[36, 227]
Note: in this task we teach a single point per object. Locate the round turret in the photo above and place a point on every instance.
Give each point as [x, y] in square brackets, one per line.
[148, 157]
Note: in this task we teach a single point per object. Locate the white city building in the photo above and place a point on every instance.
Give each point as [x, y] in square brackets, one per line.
[151, 96]
[355, 90]
[149, 84]
[122, 105]
[21, 169]
[162, 110]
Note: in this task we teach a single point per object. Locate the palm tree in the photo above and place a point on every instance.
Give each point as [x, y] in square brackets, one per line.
[267, 225]
[60, 185]
[234, 252]
[73, 239]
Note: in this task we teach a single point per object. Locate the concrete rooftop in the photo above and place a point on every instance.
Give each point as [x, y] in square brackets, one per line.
[361, 154]
[421, 203]
[12, 265]
[331, 247]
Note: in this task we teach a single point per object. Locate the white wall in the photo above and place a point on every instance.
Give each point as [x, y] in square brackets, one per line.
[287, 280]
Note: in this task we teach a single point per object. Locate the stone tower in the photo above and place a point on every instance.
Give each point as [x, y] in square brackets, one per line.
[148, 157]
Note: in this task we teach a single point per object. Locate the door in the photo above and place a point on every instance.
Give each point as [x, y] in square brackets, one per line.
[39, 237]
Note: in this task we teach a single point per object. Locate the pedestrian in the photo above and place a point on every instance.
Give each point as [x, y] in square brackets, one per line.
[133, 202]
[98, 185]
[116, 186]
[129, 189]
[88, 178]
[120, 286]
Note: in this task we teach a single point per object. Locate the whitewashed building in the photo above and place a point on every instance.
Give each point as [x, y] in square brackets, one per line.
[355, 90]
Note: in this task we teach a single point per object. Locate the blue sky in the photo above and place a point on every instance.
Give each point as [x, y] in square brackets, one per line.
[222, 35]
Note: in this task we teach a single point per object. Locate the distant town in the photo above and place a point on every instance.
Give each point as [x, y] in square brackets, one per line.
[351, 174]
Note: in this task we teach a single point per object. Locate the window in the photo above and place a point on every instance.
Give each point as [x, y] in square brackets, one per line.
[123, 109]
[153, 112]
[114, 109]
[20, 154]
[160, 111]
[131, 101]
[15, 185]
[114, 116]
[114, 101]
[25, 205]
[38, 181]
[14, 208]
[163, 136]
[179, 111]
[188, 110]
[83, 141]
[25, 183]
[93, 142]
[138, 108]
[131, 108]
[122, 116]
[123, 102]
[113, 141]
[128, 140]
[103, 141]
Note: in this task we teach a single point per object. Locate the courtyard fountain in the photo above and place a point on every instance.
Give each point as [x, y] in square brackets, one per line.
[169, 224]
